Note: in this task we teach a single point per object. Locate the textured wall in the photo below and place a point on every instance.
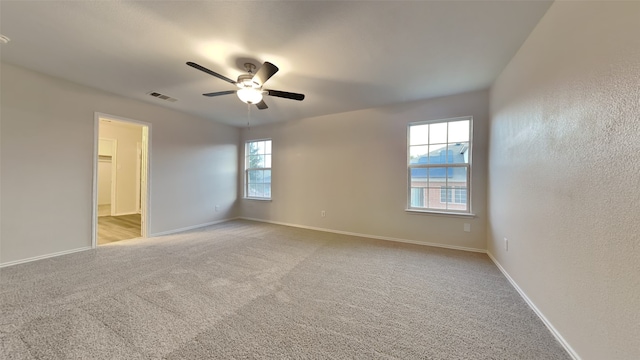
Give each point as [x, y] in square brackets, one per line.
[565, 170]
[47, 164]
[354, 166]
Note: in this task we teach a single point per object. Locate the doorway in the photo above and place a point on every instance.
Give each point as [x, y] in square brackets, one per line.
[121, 169]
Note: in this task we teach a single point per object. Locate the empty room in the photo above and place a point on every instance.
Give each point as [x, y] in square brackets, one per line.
[320, 180]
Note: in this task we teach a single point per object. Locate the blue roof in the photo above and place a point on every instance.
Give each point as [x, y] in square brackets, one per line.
[455, 153]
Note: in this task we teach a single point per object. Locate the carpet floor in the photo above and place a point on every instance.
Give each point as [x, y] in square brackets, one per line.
[247, 290]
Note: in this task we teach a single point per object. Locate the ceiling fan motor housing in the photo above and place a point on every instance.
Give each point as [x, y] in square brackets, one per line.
[246, 81]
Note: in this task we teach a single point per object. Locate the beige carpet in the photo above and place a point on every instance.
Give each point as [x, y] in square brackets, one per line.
[245, 290]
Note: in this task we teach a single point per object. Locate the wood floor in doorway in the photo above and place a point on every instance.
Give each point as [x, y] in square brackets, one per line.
[116, 228]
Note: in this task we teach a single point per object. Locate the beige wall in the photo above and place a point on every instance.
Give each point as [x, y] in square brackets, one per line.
[354, 166]
[564, 174]
[127, 138]
[46, 194]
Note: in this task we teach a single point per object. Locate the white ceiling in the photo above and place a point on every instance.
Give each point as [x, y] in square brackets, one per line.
[342, 55]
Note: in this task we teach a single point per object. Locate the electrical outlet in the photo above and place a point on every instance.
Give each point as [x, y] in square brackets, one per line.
[322, 213]
[467, 227]
[217, 208]
[506, 244]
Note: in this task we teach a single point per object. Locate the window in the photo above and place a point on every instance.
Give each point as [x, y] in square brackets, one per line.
[257, 173]
[453, 195]
[439, 165]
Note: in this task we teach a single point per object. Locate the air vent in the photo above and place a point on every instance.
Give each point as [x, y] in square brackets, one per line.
[162, 96]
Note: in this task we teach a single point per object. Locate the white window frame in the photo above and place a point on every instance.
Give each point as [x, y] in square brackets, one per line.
[468, 166]
[247, 169]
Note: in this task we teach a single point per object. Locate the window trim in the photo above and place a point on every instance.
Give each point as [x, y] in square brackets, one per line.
[468, 166]
[247, 169]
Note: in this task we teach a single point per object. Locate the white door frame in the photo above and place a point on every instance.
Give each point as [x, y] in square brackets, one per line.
[145, 181]
[139, 154]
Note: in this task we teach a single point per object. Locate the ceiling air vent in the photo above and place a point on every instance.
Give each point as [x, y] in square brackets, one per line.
[162, 96]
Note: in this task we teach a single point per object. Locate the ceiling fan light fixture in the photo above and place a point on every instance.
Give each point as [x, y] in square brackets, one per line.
[249, 95]
[249, 85]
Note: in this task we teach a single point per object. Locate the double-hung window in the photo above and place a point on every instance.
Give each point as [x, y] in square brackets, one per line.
[439, 165]
[257, 169]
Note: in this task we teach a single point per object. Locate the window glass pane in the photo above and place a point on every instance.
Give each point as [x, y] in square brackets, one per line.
[267, 147]
[437, 154]
[267, 177]
[260, 147]
[252, 176]
[418, 197]
[418, 154]
[419, 134]
[252, 148]
[252, 190]
[267, 161]
[267, 190]
[457, 199]
[256, 161]
[458, 131]
[419, 177]
[438, 133]
[438, 176]
[457, 177]
[459, 153]
[460, 196]
[434, 199]
[445, 194]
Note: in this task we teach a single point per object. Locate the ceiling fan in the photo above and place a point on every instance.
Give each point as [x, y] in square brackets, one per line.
[250, 85]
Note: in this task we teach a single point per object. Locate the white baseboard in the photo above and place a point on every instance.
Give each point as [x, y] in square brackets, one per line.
[407, 241]
[16, 262]
[168, 232]
[174, 231]
[535, 309]
[126, 213]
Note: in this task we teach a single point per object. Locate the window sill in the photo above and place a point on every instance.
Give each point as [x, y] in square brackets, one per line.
[441, 213]
[256, 199]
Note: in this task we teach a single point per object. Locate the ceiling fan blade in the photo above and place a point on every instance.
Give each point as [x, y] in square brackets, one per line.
[285, 94]
[262, 105]
[210, 72]
[212, 94]
[264, 73]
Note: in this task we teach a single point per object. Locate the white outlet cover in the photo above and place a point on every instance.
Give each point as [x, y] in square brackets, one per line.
[467, 227]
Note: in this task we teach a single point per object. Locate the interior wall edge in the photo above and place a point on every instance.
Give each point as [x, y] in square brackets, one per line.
[187, 228]
[369, 236]
[565, 344]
